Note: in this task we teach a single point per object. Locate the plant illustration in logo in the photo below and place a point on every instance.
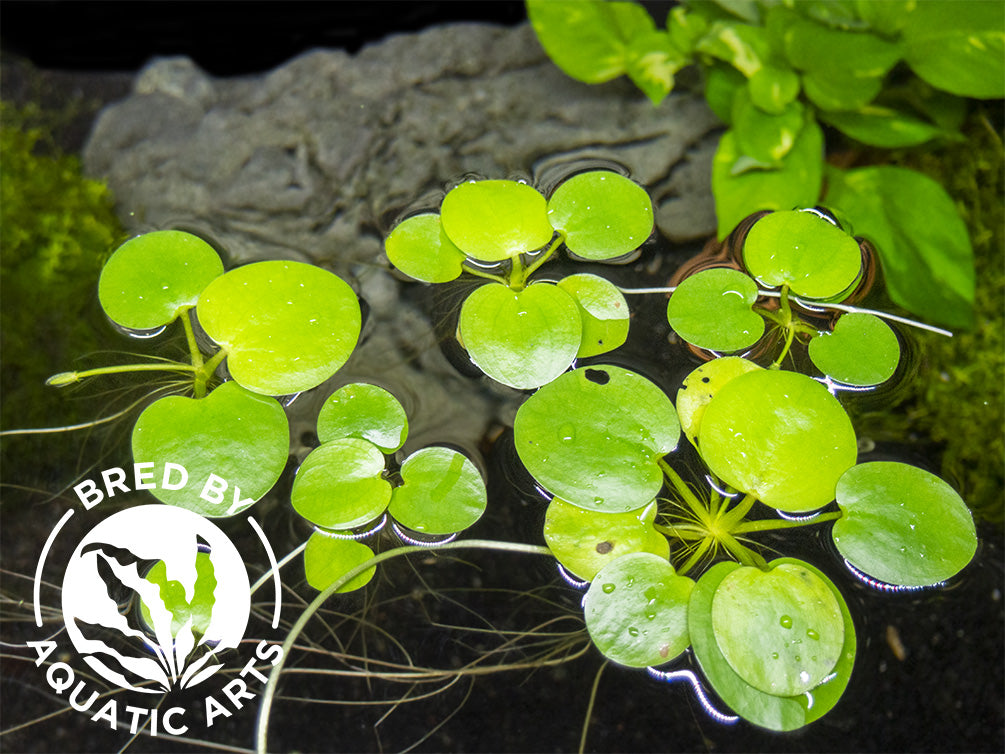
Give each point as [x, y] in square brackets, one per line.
[142, 600]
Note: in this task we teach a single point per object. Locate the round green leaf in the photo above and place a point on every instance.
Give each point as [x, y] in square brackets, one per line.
[802, 250]
[521, 338]
[441, 492]
[327, 559]
[340, 485]
[902, 525]
[286, 326]
[779, 436]
[584, 541]
[365, 411]
[636, 610]
[862, 350]
[594, 436]
[700, 387]
[495, 220]
[418, 247]
[603, 313]
[767, 710]
[233, 444]
[149, 278]
[780, 630]
[712, 309]
[602, 214]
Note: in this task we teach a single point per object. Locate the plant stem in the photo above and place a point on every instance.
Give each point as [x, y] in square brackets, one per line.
[769, 524]
[484, 274]
[730, 518]
[68, 378]
[589, 707]
[685, 492]
[268, 693]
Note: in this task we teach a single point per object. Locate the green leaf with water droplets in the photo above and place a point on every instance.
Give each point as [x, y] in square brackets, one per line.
[780, 436]
[340, 485]
[286, 326]
[593, 437]
[862, 350]
[712, 309]
[812, 256]
[327, 559]
[780, 630]
[584, 541]
[495, 220]
[523, 339]
[636, 610]
[365, 411]
[239, 436]
[442, 492]
[700, 387]
[602, 214]
[603, 313]
[149, 278]
[779, 713]
[902, 525]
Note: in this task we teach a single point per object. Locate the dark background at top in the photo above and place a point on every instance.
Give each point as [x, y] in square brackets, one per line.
[224, 38]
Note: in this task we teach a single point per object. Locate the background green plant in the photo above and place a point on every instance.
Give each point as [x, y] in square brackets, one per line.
[56, 229]
[892, 74]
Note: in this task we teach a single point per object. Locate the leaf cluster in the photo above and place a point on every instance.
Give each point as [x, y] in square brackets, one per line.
[891, 74]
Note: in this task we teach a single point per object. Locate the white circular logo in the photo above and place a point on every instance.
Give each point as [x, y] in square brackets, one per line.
[152, 594]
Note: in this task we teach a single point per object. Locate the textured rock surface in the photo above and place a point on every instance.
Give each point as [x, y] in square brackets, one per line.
[317, 158]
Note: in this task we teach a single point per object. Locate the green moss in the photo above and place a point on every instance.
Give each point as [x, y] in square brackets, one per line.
[958, 398]
[56, 229]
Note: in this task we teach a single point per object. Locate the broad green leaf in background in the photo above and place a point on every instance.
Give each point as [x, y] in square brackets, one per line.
[588, 39]
[958, 46]
[902, 525]
[924, 246]
[795, 184]
[419, 248]
[651, 60]
[862, 350]
[887, 17]
[722, 83]
[441, 492]
[842, 69]
[812, 256]
[286, 326]
[700, 387]
[365, 411]
[636, 610]
[765, 137]
[744, 47]
[880, 126]
[602, 214]
[521, 338]
[149, 278]
[340, 485]
[495, 220]
[712, 309]
[238, 436]
[780, 436]
[773, 88]
[327, 559]
[779, 713]
[593, 437]
[584, 541]
[603, 313]
[780, 630]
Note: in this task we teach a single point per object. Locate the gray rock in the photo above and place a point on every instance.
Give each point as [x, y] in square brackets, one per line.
[316, 159]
